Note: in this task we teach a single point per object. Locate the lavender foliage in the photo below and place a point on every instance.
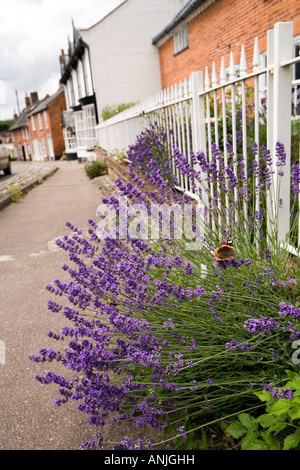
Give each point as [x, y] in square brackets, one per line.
[150, 340]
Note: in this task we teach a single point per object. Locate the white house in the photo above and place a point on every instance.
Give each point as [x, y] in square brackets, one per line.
[111, 63]
[79, 120]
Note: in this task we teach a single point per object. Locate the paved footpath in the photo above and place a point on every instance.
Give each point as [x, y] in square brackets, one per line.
[29, 259]
[25, 175]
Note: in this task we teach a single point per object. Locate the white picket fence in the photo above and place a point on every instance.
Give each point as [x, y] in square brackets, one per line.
[199, 109]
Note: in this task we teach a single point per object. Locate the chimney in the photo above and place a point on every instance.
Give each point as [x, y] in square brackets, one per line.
[27, 100]
[34, 97]
[15, 115]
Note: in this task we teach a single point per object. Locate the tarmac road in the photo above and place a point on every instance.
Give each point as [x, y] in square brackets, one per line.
[28, 261]
[16, 168]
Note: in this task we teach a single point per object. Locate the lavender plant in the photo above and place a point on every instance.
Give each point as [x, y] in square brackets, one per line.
[159, 333]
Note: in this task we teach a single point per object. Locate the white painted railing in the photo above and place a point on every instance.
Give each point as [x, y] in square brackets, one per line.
[208, 109]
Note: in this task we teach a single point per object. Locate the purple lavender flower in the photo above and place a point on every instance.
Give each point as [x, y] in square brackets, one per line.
[267, 255]
[264, 324]
[188, 269]
[181, 431]
[169, 324]
[233, 345]
[296, 178]
[279, 393]
[210, 381]
[280, 154]
[289, 310]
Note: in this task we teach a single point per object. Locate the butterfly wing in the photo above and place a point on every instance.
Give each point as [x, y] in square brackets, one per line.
[224, 252]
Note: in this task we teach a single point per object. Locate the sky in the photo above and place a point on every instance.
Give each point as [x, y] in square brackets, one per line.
[32, 34]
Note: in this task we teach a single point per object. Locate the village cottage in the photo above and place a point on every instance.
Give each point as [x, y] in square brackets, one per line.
[205, 30]
[45, 125]
[36, 133]
[19, 130]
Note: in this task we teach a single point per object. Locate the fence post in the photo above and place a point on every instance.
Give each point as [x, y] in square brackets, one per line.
[198, 123]
[281, 122]
[198, 112]
[270, 98]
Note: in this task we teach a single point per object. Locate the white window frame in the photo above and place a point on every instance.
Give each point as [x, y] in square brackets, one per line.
[35, 147]
[72, 92]
[43, 148]
[85, 127]
[80, 129]
[181, 39]
[70, 139]
[80, 79]
[78, 83]
[90, 125]
[84, 76]
[40, 121]
[33, 123]
[45, 119]
[87, 73]
[296, 43]
[50, 147]
[28, 150]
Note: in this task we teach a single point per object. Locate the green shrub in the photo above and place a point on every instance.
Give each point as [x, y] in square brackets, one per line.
[110, 111]
[265, 431]
[95, 169]
[118, 154]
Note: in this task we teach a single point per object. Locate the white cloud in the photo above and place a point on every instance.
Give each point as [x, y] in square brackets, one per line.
[32, 34]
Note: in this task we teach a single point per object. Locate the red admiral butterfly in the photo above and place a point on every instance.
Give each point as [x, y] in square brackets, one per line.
[225, 251]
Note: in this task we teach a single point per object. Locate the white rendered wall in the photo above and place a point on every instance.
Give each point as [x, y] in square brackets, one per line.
[125, 63]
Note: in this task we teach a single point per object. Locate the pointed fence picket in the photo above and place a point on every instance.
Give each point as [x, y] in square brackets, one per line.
[206, 110]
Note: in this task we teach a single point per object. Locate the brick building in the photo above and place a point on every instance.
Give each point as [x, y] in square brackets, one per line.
[45, 127]
[19, 130]
[205, 30]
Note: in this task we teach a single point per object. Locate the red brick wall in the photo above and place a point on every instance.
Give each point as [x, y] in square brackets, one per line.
[39, 133]
[18, 140]
[224, 27]
[54, 113]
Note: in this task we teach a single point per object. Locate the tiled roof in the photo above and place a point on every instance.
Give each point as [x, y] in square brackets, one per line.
[188, 8]
[37, 107]
[21, 120]
[45, 102]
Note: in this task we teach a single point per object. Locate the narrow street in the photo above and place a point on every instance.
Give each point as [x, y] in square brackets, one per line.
[29, 259]
[17, 167]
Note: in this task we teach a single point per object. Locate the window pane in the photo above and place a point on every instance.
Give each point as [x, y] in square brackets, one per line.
[90, 124]
[80, 128]
[181, 39]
